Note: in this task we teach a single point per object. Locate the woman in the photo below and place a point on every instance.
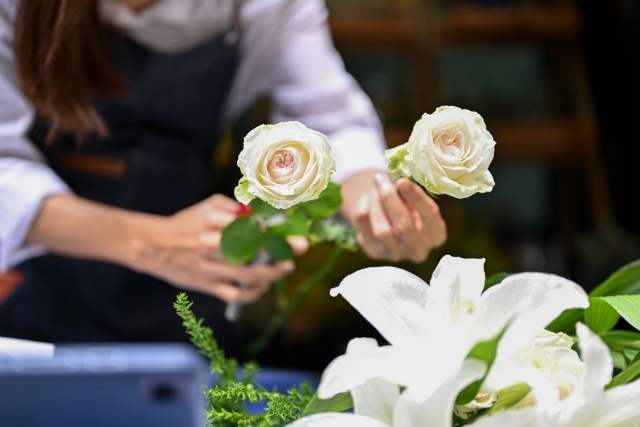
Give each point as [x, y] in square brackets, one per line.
[109, 114]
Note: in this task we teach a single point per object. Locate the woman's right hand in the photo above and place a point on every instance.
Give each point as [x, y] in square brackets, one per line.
[184, 250]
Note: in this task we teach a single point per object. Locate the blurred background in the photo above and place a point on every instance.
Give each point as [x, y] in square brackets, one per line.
[558, 83]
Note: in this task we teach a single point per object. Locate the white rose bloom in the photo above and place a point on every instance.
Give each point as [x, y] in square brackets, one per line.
[449, 152]
[284, 164]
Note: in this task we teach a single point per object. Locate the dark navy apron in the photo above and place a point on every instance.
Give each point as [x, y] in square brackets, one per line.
[157, 159]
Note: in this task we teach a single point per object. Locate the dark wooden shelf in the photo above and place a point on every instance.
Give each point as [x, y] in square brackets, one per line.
[372, 32]
[481, 24]
[554, 141]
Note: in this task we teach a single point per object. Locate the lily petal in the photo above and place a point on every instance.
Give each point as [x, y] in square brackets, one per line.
[337, 420]
[598, 362]
[457, 280]
[527, 302]
[437, 411]
[376, 399]
[395, 302]
[363, 361]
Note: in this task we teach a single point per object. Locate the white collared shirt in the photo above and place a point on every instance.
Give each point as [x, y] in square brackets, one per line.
[286, 52]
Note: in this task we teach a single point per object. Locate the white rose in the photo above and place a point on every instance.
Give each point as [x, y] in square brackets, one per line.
[448, 152]
[284, 164]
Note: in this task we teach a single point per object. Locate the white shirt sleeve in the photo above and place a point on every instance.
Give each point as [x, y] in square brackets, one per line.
[25, 180]
[289, 54]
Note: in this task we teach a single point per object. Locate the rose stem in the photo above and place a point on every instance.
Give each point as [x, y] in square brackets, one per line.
[279, 318]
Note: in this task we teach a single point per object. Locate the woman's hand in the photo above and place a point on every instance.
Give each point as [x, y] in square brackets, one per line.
[184, 250]
[394, 222]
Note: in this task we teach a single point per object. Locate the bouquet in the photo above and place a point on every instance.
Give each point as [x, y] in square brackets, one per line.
[287, 190]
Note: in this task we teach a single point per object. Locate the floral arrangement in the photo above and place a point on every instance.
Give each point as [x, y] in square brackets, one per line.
[462, 350]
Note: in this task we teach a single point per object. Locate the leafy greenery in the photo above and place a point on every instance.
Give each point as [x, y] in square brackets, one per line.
[495, 279]
[509, 397]
[229, 397]
[338, 403]
[242, 239]
[600, 317]
[486, 352]
[627, 306]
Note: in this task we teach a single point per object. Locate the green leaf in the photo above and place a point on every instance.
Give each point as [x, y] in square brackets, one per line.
[495, 280]
[484, 351]
[566, 322]
[622, 340]
[509, 397]
[262, 209]
[297, 222]
[326, 205]
[628, 306]
[278, 247]
[338, 403]
[624, 281]
[241, 240]
[600, 317]
[631, 373]
[328, 230]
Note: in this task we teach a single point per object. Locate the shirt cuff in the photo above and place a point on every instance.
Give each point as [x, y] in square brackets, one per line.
[357, 149]
[24, 185]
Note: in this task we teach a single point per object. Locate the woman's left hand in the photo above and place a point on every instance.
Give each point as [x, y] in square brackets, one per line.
[394, 221]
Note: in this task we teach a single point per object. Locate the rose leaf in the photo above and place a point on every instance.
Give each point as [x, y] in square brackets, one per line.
[241, 240]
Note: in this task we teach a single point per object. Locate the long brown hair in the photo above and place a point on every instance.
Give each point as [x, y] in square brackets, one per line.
[62, 60]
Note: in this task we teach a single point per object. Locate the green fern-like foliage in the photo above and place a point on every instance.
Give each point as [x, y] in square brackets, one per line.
[227, 400]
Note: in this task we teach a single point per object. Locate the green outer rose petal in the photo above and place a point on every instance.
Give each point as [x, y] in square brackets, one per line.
[242, 191]
[397, 164]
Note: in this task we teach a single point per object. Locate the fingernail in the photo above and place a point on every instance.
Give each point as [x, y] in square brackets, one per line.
[384, 183]
[405, 187]
[243, 210]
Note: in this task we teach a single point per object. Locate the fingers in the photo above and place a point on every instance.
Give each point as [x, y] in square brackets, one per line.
[400, 222]
[232, 293]
[299, 244]
[425, 209]
[365, 237]
[250, 274]
[223, 202]
[413, 239]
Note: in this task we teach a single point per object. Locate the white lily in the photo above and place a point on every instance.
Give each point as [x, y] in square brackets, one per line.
[379, 403]
[431, 329]
[589, 405]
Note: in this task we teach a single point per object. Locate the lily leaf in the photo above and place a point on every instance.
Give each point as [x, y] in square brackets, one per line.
[624, 281]
[630, 373]
[509, 397]
[600, 317]
[486, 352]
[622, 340]
[496, 279]
[566, 322]
[241, 240]
[338, 403]
[628, 306]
